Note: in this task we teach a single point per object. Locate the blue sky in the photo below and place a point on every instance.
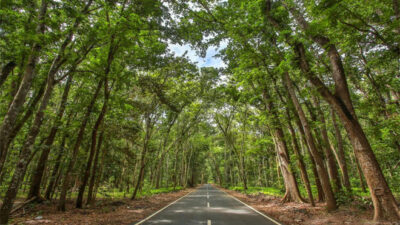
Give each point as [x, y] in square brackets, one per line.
[209, 61]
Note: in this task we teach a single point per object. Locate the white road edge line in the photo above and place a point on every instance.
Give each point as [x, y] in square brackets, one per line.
[255, 210]
[147, 218]
[208, 222]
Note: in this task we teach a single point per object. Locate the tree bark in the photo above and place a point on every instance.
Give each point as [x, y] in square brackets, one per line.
[292, 190]
[360, 175]
[322, 172]
[320, 191]
[110, 59]
[300, 162]
[38, 174]
[98, 123]
[340, 154]
[67, 177]
[94, 169]
[53, 177]
[19, 99]
[143, 154]
[385, 206]
[17, 127]
[7, 69]
[330, 158]
[26, 151]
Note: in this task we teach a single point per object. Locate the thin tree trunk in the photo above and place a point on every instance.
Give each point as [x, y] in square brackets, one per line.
[99, 121]
[26, 150]
[66, 182]
[322, 172]
[110, 58]
[37, 177]
[143, 156]
[340, 154]
[330, 158]
[292, 190]
[7, 69]
[320, 191]
[300, 161]
[360, 175]
[14, 132]
[94, 169]
[18, 101]
[385, 206]
[53, 177]
[38, 174]
[100, 170]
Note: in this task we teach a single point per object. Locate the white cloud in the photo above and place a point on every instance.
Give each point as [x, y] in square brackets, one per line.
[209, 61]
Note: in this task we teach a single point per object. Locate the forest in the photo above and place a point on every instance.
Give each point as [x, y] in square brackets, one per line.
[94, 104]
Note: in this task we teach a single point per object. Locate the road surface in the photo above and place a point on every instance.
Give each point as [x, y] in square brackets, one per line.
[208, 206]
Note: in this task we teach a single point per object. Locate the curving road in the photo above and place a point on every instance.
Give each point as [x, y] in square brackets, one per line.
[208, 206]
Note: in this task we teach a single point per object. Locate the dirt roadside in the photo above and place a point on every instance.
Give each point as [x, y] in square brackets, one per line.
[106, 212]
[303, 214]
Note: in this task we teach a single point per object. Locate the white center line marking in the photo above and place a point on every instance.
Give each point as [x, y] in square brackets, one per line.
[208, 222]
[208, 205]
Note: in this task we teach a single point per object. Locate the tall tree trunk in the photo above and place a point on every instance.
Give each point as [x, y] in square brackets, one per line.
[340, 154]
[330, 158]
[385, 206]
[74, 154]
[110, 59]
[320, 191]
[164, 151]
[243, 170]
[360, 176]
[143, 154]
[25, 154]
[38, 174]
[53, 177]
[94, 169]
[99, 121]
[19, 98]
[322, 172]
[300, 162]
[17, 127]
[292, 190]
[97, 170]
[7, 69]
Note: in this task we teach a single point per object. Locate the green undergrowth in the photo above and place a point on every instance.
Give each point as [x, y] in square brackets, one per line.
[343, 197]
[255, 190]
[274, 191]
[159, 191]
[355, 191]
[115, 194]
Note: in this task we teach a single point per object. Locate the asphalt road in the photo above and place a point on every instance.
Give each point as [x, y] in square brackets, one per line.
[208, 206]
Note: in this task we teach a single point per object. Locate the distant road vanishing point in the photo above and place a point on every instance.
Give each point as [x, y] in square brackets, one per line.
[208, 206]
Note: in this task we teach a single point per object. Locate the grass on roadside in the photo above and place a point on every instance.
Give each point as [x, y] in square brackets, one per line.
[255, 190]
[274, 191]
[115, 194]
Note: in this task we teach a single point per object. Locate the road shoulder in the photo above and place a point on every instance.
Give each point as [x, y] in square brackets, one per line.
[110, 212]
[303, 214]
